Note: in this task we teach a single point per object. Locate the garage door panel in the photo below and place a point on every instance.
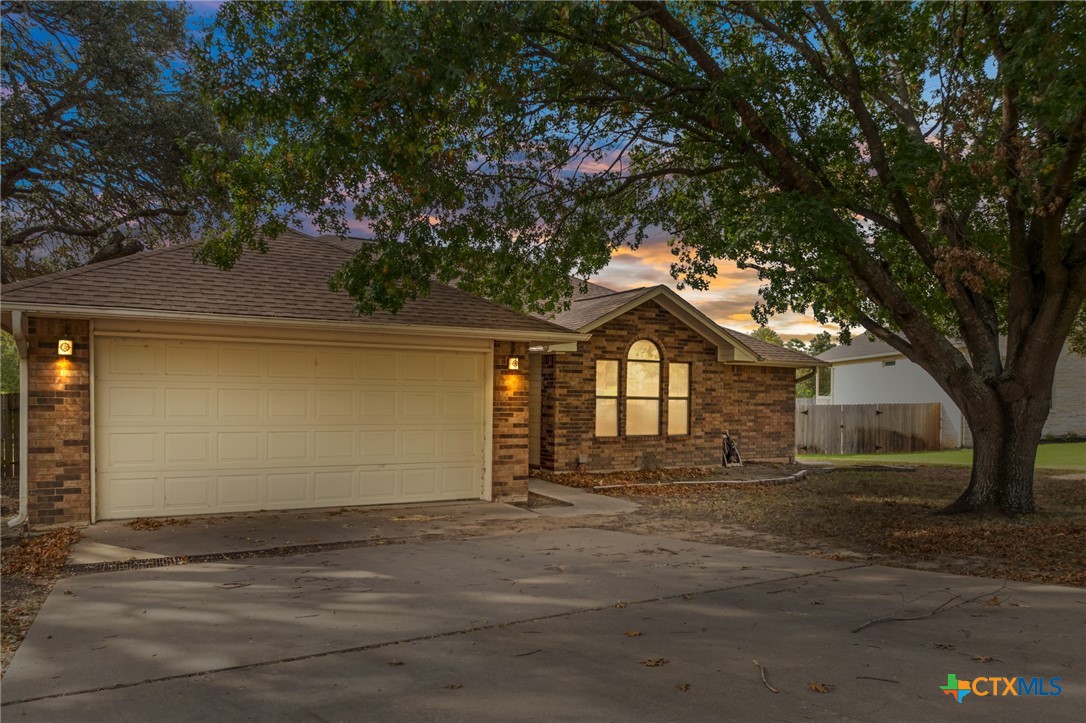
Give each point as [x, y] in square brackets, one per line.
[334, 405]
[188, 360]
[288, 489]
[186, 448]
[416, 366]
[133, 496]
[197, 427]
[333, 446]
[132, 403]
[457, 479]
[334, 364]
[288, 446]
[240, 491]
[419, 482]
[133, 358]
[181, 402]
[187, 492]
[378, 485]
[461, 368]
[460, 406]
[288, 404]
[377, 445]
[332, 488]
[419, 405]
[241, 362]
[378, 407]
[234, 447]
[239, 405]
[288, 363]
[130, 448]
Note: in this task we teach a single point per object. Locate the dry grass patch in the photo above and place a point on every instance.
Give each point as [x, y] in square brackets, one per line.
[891, 516]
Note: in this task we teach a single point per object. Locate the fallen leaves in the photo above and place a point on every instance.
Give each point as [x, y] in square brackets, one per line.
[633, 634]
[683, 687]
[983, 658]
[816, 687]
[155, 523]
[41, 554]
[944, 646]
[655, 662]
[847, 510]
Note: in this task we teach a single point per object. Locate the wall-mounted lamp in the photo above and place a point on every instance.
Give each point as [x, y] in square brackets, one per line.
[64, 347]
[513, 364]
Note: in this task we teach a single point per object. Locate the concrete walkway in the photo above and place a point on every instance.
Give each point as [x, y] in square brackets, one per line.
[581, 502]
[565, 625]
[116, 541]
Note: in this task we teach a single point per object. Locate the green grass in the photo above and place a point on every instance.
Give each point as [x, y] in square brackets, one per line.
[1062, 456]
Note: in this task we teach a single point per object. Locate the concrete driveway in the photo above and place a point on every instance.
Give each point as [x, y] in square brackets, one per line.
[564, 624]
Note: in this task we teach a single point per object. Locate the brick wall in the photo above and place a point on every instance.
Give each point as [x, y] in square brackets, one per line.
[58, 424]
[510, 452]
[756, 404]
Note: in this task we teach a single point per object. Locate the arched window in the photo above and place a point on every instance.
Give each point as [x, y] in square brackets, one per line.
[643, 389]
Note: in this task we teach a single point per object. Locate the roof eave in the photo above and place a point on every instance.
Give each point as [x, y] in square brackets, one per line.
[88, 312]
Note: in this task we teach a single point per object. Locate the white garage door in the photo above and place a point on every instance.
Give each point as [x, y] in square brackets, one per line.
[190, 427]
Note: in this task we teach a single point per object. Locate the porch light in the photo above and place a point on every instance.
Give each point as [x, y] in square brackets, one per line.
[513, 364]
[64, 347]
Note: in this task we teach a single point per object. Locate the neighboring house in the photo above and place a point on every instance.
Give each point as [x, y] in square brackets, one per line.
[156, 386]
[657, 385]
[873, 372]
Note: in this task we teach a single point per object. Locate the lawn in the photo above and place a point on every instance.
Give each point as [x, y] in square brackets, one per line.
[884, 517]
[1060, 456]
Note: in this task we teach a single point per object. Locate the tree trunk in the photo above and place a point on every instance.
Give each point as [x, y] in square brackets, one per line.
[1005, 439]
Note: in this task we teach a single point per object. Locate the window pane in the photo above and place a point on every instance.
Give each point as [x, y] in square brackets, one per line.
[678, 416]
[644, 349]
[642, 416]
[606, 378]
[606, 417]
[642, 379]
[678, 380]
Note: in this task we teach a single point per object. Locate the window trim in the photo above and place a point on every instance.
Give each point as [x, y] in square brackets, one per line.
[671, 397]
[659, 398]
[617, 396]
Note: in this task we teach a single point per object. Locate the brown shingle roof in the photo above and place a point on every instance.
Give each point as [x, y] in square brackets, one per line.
[290, 281]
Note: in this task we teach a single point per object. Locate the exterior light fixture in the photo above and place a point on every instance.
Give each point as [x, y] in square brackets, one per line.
[64, 347]
[513, 364]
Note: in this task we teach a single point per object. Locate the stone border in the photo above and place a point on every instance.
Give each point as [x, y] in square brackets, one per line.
[797, 477]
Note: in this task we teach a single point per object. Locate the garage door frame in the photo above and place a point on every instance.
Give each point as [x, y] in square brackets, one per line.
[374, 341]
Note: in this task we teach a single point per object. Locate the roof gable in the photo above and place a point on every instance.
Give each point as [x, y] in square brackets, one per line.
[598, 305]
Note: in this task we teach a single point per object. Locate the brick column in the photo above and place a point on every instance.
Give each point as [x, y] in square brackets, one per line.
[58, 424]
[510, 453]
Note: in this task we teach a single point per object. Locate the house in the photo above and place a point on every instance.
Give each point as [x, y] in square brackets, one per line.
[872, 372]
[656, 385]
[156, 386]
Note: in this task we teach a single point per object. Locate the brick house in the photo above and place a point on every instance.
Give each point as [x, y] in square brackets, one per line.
[656, 385]
[155, 386]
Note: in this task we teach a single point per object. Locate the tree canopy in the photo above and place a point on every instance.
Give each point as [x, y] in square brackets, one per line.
[99, 123]
[911, 169]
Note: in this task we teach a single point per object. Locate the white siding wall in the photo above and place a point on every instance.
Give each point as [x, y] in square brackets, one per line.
[872, 383]
[903, 383]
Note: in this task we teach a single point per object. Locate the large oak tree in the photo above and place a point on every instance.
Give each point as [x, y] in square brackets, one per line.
[911, 169]
[99, 121]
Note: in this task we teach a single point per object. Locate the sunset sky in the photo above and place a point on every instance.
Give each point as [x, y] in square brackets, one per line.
[728, 301]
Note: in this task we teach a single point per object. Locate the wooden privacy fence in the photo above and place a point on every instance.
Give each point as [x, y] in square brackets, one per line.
[866, 428]
[9, 436]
